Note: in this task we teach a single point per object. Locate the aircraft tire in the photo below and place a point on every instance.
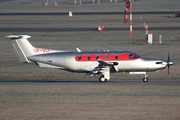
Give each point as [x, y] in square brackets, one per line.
[102, 79]
[145, 80]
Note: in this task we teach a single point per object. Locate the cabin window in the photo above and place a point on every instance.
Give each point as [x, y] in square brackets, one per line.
[116, 57]
[88, 58]
[97, 57]
[79, 58]
[106, 57]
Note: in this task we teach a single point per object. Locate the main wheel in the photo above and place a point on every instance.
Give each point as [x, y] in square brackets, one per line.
[102, 79]
[145, 79]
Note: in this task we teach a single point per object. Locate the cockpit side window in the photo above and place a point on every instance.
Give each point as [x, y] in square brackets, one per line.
[136, 55]
[133, 56]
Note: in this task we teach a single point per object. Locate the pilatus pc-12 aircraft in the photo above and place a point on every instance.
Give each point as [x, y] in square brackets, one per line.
[93, 63]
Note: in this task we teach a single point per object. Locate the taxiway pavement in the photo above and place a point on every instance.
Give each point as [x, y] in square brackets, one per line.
[91, 13]
[127, 82]
[75, 29]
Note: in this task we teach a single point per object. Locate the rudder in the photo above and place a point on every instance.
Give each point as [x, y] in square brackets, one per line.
[22, 46]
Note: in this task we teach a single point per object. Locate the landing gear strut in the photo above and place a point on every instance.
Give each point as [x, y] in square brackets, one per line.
[145, 79]
[102, 79]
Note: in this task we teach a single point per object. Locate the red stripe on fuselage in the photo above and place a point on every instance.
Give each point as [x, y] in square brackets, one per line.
[124, 57]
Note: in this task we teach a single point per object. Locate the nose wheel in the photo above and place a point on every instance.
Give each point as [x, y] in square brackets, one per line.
[145, 79]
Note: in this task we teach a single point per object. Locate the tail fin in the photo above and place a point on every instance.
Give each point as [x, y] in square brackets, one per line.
[22, 46]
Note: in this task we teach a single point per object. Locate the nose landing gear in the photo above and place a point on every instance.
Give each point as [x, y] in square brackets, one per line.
[145, 79]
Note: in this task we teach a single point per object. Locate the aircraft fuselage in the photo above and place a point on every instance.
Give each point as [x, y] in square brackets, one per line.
[87, 61]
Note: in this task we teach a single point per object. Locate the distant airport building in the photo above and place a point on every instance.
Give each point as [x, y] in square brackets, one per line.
[55, 3]
[45, 3]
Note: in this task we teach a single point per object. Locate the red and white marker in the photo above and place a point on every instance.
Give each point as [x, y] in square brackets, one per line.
[130, 19]
[125, 16]
[128, 6]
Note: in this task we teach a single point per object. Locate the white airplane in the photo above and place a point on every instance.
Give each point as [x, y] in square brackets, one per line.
[93, 63]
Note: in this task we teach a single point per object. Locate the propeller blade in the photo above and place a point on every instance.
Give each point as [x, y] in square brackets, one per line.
[168, 57]
[168, 62]
[168, 69]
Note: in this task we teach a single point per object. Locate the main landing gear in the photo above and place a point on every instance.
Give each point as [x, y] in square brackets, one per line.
[102, 79]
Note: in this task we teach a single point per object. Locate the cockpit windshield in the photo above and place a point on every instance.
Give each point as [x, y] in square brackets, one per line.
[133, 56]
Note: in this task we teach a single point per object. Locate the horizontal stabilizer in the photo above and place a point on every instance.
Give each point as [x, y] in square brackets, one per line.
[18, 36]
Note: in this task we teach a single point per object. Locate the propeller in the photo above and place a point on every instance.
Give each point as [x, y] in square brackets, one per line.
[168, 62]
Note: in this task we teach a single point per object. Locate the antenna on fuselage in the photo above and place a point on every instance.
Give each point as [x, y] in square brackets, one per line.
[78, 49]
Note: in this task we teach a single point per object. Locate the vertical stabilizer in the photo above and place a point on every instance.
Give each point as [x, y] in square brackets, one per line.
[22, 46]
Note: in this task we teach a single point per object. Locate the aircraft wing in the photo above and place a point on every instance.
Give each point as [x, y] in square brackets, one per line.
[104, 68]
[103, 63]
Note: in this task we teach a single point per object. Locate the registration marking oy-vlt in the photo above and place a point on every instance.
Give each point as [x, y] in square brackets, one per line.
[47, 50]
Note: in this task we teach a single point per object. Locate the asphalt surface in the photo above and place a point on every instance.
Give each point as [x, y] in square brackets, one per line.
[84, 21]
[127, 82]
[83, 28]
[91, 13]
[75, 29]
